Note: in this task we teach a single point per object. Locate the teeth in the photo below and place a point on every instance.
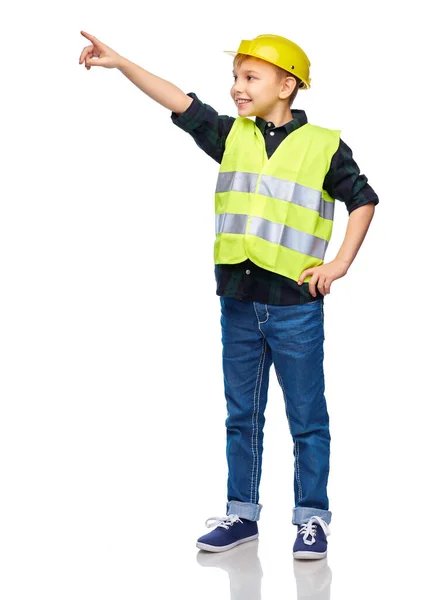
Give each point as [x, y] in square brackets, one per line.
[242, 101]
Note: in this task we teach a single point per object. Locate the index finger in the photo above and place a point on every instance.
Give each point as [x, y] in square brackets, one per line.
[89, 37]
[305, 274]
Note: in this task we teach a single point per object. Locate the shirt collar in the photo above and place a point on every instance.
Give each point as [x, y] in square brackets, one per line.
[299, 118]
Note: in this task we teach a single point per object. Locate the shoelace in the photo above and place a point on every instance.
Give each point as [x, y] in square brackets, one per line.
[224, 522]
[309, 529]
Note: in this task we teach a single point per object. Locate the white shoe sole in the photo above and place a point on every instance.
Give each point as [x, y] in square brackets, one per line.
[210, 548]
[309, 555]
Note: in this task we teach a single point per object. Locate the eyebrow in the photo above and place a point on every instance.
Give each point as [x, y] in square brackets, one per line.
[248, 71]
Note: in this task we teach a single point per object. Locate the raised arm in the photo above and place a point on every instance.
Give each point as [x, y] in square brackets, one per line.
[164, 92]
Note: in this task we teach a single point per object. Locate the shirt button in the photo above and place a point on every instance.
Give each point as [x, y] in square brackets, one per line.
[248, 272]
[269, 124]
[271, 132]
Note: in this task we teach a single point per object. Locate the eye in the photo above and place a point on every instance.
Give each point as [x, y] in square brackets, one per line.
[247, 77]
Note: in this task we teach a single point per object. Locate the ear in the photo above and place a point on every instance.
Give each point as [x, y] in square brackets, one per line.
[288, 85]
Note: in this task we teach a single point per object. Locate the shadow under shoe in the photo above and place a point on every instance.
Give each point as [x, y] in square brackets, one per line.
[230, 531]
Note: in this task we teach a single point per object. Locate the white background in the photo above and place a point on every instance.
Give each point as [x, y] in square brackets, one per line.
[112, 439]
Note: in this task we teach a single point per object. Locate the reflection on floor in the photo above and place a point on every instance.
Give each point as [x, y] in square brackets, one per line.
[313, 579]
[242, 564]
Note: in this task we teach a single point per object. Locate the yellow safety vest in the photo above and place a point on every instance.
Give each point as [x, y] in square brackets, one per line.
[274, 211]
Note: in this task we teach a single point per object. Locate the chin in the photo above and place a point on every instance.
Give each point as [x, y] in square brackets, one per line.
[244, 110]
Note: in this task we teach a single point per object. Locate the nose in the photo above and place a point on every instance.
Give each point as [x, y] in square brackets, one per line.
[237, 88]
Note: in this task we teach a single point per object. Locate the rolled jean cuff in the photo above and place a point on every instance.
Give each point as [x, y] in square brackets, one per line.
[302, 514]
[245, 510]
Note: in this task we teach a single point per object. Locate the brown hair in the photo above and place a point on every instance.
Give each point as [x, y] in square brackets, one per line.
[281, 73]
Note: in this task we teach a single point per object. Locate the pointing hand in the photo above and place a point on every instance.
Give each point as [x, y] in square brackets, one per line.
[97, 54]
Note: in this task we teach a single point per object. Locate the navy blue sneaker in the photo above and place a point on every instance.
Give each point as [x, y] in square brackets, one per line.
[311, 540]
[230, 532]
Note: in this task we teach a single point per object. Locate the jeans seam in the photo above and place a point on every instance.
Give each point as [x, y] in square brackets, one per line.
[296, 445]
[255, 415]
[297, 470]
[258, 318]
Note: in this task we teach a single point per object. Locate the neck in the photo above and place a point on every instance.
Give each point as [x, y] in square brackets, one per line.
[279, 115]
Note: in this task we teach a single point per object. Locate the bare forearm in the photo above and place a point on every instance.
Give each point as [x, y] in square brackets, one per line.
[358, 225]
[160, 90]
[323, 275]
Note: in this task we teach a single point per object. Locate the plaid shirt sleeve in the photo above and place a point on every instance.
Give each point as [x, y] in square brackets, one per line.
[206, 126]
[344, 181]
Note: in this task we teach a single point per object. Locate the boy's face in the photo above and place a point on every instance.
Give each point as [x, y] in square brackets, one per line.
[258, 82]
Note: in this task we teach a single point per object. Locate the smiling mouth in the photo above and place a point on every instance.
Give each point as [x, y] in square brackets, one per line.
[241, 101]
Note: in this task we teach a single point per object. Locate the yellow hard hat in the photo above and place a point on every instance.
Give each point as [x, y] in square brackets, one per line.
[278, 51]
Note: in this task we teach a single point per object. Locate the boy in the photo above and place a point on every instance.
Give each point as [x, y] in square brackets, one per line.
[274, 199]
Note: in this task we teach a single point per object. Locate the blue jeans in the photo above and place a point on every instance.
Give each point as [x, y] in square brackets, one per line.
[254, 337]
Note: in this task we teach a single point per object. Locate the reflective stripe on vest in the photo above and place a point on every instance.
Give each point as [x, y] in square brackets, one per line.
[228, 223]
[276, 233]
[297, 194]
[288, 237]
[282, 189]
[236, 181]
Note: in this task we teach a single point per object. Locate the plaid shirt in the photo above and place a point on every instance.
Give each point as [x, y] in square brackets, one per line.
[247, 281]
